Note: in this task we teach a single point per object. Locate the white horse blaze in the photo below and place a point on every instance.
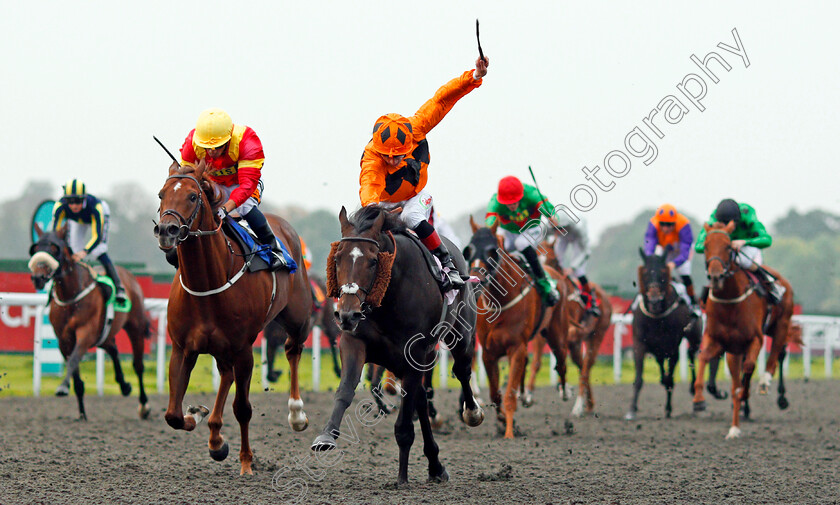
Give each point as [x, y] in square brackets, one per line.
[356, 253]
[177, 187]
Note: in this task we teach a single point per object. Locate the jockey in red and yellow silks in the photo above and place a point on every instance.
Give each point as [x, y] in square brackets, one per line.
[234, 158]
[395, 163]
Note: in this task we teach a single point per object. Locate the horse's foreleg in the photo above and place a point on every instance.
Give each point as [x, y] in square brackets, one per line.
[586, 372]
[709, 351]
[577, 357]
[298, 419]
[242, 370]
[748, 369]
[111, 348]
[491, 366]
[734, 362]
[79, 387]
[437, 472]
[639, 351]
[404, 427]
[217, 445]
[180, 368]
[71, 366]
[517, 357]
[143, 410]
[669, 381]
[782, 401]
[352, 361]
[463, 356]
[775, 356]
[539, 343]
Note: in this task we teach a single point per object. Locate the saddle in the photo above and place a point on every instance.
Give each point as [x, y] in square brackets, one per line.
[257, 254]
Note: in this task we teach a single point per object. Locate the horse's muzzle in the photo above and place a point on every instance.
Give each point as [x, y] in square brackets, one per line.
[167, 234]
[39, 281]
[348, 320]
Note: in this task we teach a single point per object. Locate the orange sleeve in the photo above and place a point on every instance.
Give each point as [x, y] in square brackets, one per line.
[372, 178]
[430, 114]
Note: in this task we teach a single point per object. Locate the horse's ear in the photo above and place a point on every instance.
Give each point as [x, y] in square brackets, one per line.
[173, 168]
[199, 169]
[730, 227]
[642, 254]
[706, 226]
[343, 221]
[469, 251]
[377, 224]
[473, 225]
[39, 231]
[494, 227]
[61, 232]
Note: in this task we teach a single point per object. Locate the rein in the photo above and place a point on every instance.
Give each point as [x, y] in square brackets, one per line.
[351, 288]
[652, 315]
[728, 272]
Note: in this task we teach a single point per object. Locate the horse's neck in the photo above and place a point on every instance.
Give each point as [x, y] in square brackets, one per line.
[204, 262]
[75, 279]
[735, 285]
[508, 281]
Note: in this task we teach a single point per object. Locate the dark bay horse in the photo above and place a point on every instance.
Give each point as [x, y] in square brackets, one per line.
[391, 313]
[735, 317]
[322, 317]
[660, 322]
[217, 308]
[582, 328]
[77, 313]
[511, 313]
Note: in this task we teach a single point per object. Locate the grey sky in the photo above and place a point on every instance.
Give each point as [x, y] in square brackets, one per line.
[86, 84]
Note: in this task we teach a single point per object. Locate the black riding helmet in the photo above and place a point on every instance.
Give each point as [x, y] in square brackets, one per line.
[728, 210]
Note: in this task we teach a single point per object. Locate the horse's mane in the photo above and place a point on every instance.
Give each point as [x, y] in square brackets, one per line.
[210, 188]
[362, 220]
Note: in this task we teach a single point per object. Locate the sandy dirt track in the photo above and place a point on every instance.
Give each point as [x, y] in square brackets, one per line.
[784, 457]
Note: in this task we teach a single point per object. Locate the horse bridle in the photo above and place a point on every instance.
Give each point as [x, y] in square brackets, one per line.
[351, 288]
[185, 230]
[51, 240]
[728, 271]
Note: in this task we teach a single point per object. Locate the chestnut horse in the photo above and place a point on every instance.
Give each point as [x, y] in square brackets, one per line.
[77, 313]
[391, 313]
[735, 316]
[511, 313]
[217, 308]
[582, 327]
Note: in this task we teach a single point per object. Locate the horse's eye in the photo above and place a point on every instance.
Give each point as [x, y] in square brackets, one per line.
[374, 261]
[193, 197]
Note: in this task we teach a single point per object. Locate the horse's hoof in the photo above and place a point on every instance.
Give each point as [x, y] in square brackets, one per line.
[437, 421]
[527, 399]
[125, 388]
[323, 442]
[577, 410]
[298, 419]
[630, 416]
[198, 413]
[62, 390]
[783, 403]
[734, 432]
[221, 453]
[700, 406]
[472, 418]
[143, 410]
[82, 417]
[443, 476]
[667, 414]
[764, 383]
[272, 376]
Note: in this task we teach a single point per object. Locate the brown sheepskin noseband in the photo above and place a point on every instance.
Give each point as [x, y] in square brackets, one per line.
[380, 282]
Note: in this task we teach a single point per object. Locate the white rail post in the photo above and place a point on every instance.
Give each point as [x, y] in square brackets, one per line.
[36, 352]
[316, 358]
[216, 377]
[264, 362]
[761, 366]
[443, 365]
[482, 373]
[684, 360]
[161, 351]
[618, 334]
[100, 372]
[806, 352]
[552, 372]
[831, 331]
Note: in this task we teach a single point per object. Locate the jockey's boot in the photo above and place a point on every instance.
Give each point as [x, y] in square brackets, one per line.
[111, 271]
[546, 286]
[773, 290]
[453, 276]
[256, 220]
[590, 299]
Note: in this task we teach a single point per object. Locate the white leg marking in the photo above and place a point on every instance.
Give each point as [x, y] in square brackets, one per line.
[734, 432]
[297, 417]
[577, 410]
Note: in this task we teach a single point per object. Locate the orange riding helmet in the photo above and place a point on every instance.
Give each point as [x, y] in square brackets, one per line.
[392, 135]
[510, 190]
[666, 213]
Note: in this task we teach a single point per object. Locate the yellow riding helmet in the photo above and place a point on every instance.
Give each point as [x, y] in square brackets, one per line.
[392, 135]
[213, 129]
[74, 188]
